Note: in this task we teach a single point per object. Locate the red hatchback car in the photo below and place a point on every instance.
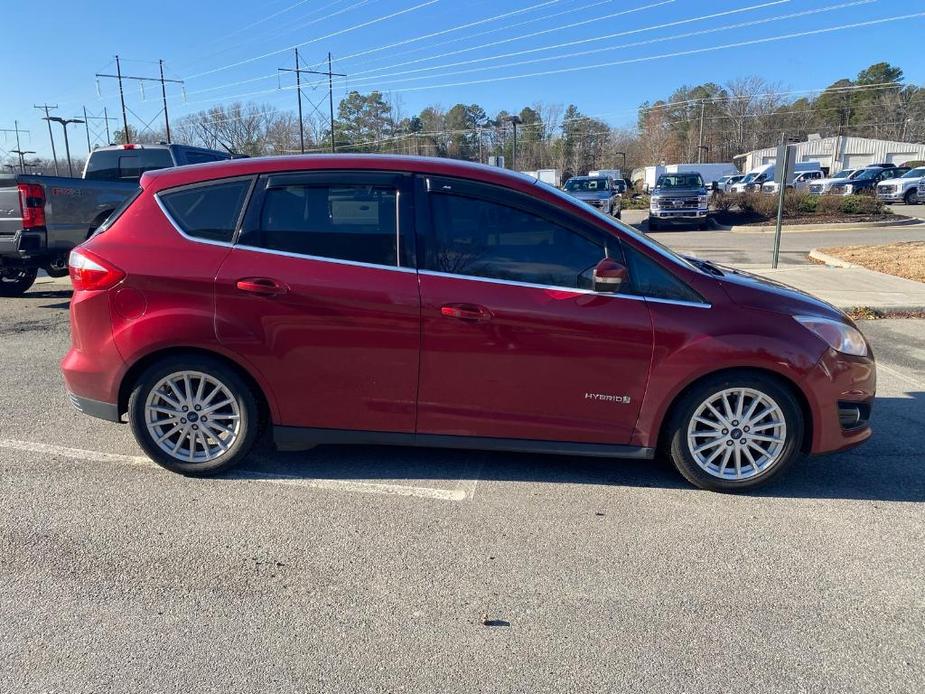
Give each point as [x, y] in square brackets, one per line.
[411, 301]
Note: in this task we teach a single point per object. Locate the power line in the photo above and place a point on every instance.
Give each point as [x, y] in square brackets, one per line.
[119, 76]
[361, 25]
[298, 75]
[54, 154]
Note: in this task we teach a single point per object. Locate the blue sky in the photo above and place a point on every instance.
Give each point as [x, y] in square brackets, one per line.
[232, 48]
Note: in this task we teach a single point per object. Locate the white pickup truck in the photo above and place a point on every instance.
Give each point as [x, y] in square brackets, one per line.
[822, 185]
[903, 189]
[801, 181]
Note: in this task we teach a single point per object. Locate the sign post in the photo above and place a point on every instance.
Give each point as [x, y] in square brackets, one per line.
[783, 173]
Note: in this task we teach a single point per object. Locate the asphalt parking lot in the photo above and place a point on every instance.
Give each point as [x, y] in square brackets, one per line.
[389, 569]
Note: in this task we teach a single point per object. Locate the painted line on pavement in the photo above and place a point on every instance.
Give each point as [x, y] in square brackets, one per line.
[899, 374]
[379, 488]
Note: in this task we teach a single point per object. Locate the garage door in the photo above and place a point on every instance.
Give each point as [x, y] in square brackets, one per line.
[858, 161]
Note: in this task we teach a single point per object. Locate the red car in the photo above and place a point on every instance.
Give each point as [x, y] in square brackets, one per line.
[392, 300]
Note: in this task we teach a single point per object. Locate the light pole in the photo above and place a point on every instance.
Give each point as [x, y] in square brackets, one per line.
[22, 158]
[515, 121]
[623, 170]
[67, 148]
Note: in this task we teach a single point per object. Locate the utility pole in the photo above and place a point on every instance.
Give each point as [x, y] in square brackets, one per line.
[700, 144]
[514, 120]
[119, 76]
[54, 154]
[298, 88]
[331, 75]
[15, 129]
[105, 118]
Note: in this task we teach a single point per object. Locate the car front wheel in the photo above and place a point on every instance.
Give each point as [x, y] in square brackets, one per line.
[911, 198]
[193, 415]
[735, 432]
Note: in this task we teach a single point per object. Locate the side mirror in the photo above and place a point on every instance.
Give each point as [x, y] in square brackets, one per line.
[609, 276]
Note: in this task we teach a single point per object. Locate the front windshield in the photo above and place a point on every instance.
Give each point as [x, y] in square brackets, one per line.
[617, 224]
[749, 178]
[866, 174]
[844, 173]
[915, 173]
[587, 185]
[679, 181]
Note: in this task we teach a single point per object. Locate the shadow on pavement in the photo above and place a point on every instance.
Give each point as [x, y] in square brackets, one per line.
[889, 467]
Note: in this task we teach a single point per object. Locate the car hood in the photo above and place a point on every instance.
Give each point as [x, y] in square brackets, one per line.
[913, 181]
[590, 194]
[753, 291]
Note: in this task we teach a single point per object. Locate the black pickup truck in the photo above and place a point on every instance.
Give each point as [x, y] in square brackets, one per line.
[43, 217]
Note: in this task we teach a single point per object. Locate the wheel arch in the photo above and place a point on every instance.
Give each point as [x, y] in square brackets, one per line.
[135, 370]
[789, 384]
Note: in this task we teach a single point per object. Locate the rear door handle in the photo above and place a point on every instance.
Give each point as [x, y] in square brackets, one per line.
[468, 312]
[262, 286]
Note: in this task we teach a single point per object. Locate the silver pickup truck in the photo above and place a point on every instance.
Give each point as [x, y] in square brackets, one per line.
[43, 217]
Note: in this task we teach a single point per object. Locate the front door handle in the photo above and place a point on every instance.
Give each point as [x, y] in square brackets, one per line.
[468, 312]
[262, 286]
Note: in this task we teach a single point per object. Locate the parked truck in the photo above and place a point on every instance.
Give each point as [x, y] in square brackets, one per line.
[43, 217]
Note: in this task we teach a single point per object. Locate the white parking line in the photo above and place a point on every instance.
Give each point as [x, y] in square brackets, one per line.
[459, 494]
[900, 375]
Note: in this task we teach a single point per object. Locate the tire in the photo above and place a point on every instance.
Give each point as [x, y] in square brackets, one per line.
[57, 267]
[16, 281]
[911, 197]
[224, 441]
[617, 215]
[720, 473]
[702, 226]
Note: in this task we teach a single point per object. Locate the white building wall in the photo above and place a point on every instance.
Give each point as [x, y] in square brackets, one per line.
[838, 153]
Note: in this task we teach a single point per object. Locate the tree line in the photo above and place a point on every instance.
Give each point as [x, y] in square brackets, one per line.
[710, 121]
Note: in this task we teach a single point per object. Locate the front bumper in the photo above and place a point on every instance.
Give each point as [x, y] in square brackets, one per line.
[841, 391]
[889, 197]
[683, 215]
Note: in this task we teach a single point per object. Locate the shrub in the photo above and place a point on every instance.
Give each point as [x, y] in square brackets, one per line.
[747, 201]
[640, 202]
[723, 201]
[861, 204]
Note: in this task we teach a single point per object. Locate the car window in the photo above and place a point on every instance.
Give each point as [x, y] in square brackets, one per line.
[208, 212]
[201, 157]
[648, 278]
[126, 165]
[354, 222]
[480, 238]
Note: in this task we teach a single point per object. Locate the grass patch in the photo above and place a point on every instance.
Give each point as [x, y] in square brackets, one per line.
[902, 259]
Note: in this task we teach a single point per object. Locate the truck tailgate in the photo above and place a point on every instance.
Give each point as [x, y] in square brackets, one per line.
[10, 216]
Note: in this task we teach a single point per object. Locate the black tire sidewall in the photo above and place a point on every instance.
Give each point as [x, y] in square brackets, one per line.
[19, 287]
[247, 405]
[679, 451]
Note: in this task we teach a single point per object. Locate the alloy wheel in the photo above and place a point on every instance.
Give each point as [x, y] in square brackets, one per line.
[737, 434]
[192, 416]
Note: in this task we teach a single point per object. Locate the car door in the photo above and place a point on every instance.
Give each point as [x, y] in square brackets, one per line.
[515, 344]
[320, 296]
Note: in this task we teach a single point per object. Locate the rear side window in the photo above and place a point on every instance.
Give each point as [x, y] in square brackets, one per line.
[201, 157]
[209, 212]
[116, 213]
[355, 222]
[126, 164]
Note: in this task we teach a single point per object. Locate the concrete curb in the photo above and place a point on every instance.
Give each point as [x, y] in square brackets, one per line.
[830, 260]
[835, 226]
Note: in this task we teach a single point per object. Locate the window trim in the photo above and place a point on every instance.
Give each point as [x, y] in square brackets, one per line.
[404, 210]
[206, 184]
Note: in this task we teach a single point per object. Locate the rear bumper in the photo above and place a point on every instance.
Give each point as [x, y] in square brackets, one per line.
[103, 410]
[842, 391]
[23, 245]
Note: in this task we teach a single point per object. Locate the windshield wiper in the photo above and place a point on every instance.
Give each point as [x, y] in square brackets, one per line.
[705, 265]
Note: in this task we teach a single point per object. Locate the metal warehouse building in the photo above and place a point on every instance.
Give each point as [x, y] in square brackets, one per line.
[839, 153]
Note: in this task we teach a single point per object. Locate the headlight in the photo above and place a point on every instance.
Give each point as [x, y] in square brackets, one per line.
[653, 201]
[840, 336]
[848, 189]
[702, 199]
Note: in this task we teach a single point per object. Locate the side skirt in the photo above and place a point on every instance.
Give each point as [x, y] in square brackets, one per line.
[299, 439]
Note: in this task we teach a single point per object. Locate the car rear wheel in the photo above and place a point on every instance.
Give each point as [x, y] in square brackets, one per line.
[193, 415]
[735, 432]
[15, 281]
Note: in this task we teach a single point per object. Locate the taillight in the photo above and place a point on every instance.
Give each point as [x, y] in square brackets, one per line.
[88, 271]
[32, 205]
